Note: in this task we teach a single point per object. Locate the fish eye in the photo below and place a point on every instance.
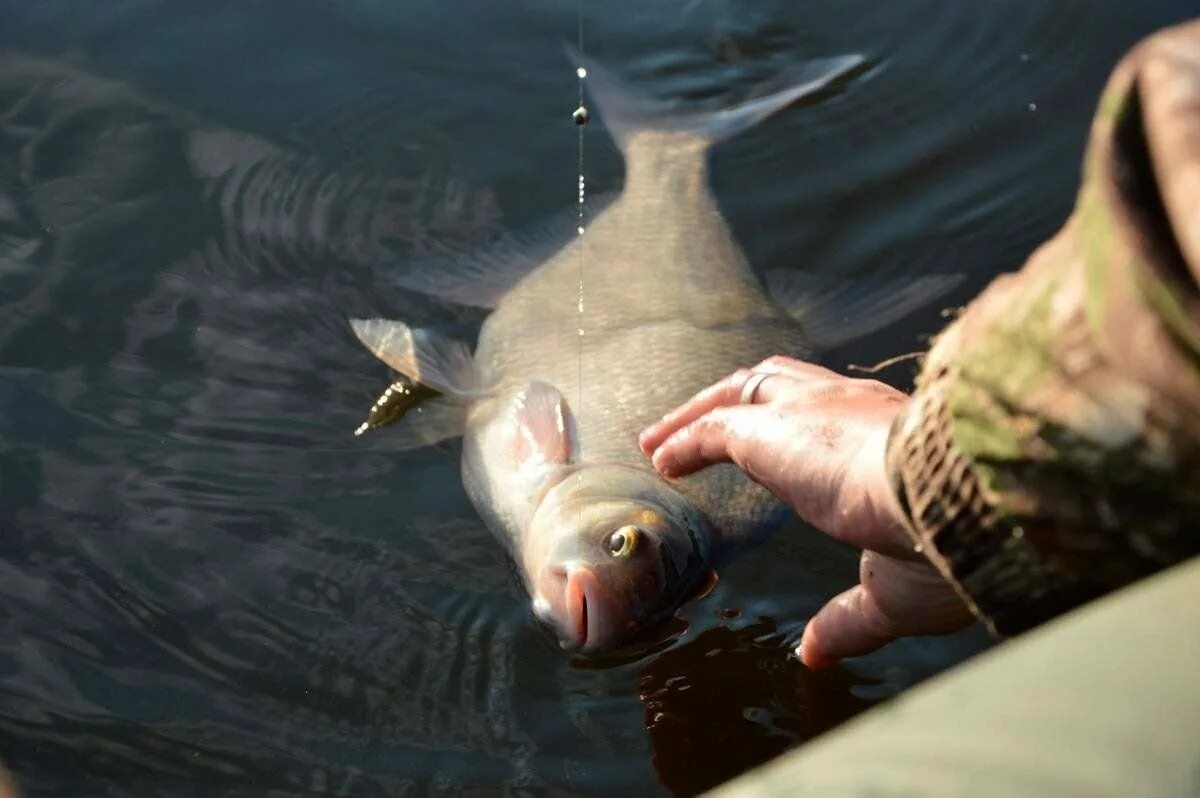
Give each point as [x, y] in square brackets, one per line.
[622, 542]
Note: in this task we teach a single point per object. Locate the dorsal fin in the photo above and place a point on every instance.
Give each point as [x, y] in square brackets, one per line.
[626, 111]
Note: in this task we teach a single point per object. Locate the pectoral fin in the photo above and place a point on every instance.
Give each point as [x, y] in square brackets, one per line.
[541, 427]
[524, 445]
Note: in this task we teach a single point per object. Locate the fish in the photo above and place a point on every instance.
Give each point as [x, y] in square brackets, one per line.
[592, 339]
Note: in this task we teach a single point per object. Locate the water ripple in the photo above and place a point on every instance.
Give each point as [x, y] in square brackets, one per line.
[208, 585]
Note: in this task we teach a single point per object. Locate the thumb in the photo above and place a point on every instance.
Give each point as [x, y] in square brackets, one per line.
[895, 598]
[848, 626]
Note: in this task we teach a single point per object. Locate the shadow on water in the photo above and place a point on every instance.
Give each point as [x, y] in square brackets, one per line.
[208, 586]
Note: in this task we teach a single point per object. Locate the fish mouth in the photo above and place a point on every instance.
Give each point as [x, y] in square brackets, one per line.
[578, 607]
[577, 611]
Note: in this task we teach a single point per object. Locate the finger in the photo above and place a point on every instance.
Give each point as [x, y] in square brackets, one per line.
[725, 392]
[894, 599]
[721, 432]
[848, 626]
[724, 434]
[824, 383]
[798, 369]
[729, 391]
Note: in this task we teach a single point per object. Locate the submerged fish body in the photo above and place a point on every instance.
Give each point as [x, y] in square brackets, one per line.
[587, 347]
[669, 304]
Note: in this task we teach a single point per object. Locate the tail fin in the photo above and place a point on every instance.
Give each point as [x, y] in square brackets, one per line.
[626, 111]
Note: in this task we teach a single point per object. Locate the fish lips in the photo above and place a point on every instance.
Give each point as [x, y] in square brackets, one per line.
[584, 614]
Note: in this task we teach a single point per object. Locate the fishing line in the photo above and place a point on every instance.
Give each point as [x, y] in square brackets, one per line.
[580, 116]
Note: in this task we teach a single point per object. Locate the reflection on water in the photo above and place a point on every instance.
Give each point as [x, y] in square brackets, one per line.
[208, 586]
[730, 700]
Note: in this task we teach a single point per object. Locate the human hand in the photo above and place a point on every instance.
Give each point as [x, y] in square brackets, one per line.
[817, 440]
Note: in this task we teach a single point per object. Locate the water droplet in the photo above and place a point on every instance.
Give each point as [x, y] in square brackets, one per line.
[1033, 106]
[919, 548]
[581, 116]
[1024, 56]
[581, 72]
[1018, 533]
[579, 230]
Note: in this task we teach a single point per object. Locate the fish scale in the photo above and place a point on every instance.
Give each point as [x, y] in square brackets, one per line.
[651, 338]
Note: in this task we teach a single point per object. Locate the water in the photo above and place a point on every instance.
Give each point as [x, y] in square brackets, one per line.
[208, 586]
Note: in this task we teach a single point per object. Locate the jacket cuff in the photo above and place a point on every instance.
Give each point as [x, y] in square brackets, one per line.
[990, 560]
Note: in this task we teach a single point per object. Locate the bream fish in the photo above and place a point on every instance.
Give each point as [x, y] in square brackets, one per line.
[559, 383]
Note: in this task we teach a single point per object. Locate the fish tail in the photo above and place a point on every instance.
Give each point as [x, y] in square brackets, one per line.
[627, 112]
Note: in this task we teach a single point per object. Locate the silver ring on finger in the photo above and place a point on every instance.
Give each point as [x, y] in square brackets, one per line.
[750, 389]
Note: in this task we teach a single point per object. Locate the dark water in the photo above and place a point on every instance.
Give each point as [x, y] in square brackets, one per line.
[207, 585]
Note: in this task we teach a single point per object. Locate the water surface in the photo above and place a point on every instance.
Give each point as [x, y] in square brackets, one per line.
[207, 585]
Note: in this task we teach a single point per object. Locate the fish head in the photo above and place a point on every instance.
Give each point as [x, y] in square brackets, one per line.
[613, 551]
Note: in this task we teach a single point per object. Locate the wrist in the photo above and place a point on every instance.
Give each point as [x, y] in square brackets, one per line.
[885, 501]
[865, 509]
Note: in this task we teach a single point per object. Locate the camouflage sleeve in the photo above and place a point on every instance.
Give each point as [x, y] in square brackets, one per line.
[1051, 452]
